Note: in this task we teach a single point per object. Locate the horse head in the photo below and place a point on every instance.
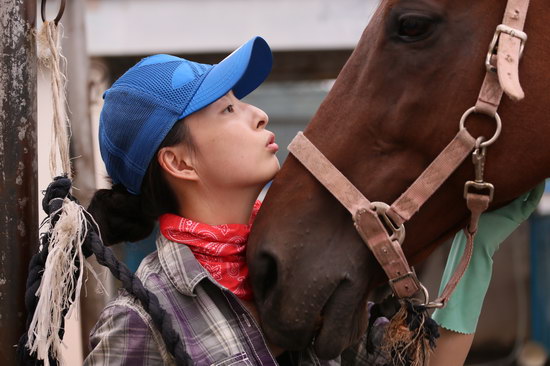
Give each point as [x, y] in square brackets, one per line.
[395, 105]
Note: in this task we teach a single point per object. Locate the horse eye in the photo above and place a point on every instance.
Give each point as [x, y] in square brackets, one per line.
[414, 28]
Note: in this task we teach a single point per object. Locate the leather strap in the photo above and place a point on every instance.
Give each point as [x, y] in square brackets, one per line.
[388, 253]
[432, 178]
[506, 77]
[477, 204]
[372, 230]
[326, 173]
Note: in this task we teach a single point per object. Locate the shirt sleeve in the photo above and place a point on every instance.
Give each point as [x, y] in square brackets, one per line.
[122, 337]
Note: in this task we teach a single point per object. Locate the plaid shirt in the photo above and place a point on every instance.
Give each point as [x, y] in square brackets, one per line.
[214, 326]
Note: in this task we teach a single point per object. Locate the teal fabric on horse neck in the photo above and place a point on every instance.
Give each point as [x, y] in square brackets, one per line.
[464, 307]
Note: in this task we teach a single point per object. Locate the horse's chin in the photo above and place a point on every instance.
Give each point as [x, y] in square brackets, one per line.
[341, 328]
[326, 344]
[295, 340]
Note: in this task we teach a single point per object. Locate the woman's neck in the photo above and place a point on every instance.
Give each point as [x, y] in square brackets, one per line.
[219, 207]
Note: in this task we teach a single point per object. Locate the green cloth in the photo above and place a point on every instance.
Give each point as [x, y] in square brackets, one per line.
[463, 308]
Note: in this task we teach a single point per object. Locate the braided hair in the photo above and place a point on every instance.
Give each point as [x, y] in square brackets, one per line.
[121, 216]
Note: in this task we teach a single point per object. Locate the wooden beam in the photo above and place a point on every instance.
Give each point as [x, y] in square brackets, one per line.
[118, 28]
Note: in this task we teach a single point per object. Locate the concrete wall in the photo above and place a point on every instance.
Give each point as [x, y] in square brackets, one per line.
[124, 27]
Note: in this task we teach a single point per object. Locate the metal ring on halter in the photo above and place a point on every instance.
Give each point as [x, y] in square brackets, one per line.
[497, 132]
[434, 305]
[427, 303]
[397, 231]
[426, 294]
[59, 13]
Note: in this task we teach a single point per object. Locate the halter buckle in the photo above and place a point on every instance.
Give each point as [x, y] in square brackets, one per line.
[409, 275]
[479, 188]
[513, 32]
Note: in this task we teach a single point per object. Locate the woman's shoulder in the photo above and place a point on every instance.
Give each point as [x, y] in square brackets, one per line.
[125, 328]
[149, 265]
[124, 309]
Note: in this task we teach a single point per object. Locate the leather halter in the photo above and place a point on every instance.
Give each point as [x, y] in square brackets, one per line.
[380, 225]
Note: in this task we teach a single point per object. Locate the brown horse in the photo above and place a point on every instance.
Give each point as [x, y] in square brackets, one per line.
[395, 105]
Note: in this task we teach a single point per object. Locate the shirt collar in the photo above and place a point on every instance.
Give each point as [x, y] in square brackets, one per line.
[180, 265]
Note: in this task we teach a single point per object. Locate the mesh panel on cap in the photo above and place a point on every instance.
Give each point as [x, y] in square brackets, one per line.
[156, 79]
[139, 110]
[127, 148]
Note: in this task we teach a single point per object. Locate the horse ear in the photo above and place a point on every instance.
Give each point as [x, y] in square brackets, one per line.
[177, 162]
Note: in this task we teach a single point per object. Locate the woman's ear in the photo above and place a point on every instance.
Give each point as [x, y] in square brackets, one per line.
[177, 162]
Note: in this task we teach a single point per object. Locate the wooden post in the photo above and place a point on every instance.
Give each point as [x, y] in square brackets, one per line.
[18, 166]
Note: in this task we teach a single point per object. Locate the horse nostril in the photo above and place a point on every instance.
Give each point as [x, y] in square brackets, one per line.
[267, 270]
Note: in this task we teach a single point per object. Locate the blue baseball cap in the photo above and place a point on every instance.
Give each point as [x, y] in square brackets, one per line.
[143, 105]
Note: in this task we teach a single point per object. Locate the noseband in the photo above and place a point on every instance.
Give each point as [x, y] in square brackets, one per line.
[380, 225]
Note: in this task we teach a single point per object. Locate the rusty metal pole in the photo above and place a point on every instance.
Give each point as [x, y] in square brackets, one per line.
[18, 166]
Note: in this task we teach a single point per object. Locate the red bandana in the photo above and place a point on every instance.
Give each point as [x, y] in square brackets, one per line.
[220, 249]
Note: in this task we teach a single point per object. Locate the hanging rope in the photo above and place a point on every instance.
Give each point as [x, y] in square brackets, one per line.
[59, 290]
[49, 46]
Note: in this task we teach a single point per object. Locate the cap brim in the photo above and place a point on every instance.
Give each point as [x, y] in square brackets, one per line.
[242, 71]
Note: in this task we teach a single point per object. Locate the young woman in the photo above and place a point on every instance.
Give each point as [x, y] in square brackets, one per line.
[182, 148]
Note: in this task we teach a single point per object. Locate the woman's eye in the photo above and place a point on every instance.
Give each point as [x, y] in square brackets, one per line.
[229, 108]
[413, 28]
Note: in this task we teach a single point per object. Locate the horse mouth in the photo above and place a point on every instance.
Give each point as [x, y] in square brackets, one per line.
[334, 328]
[331, 327]
[318, 334]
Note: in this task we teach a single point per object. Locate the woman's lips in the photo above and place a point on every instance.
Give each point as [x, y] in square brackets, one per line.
[271, 145]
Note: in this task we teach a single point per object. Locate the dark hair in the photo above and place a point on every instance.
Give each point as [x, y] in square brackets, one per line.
[123, 216]
[54, 197]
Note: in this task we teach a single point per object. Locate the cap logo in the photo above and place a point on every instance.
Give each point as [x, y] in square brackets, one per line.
[183, 75]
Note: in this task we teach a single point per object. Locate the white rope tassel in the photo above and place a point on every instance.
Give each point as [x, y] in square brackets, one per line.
[49, 42]
[58, 282]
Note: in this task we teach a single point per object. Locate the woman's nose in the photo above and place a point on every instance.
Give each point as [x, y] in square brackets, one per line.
[262, 119]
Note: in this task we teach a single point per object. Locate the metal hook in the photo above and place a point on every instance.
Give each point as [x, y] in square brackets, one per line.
[478, 158]
[59, 13]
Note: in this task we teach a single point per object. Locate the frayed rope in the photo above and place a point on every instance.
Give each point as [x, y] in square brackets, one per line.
[61, 283]
[410, 335]
[401, 333]
[59, 288]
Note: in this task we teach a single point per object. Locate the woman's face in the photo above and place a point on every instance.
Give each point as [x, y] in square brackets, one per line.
[233, 147]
